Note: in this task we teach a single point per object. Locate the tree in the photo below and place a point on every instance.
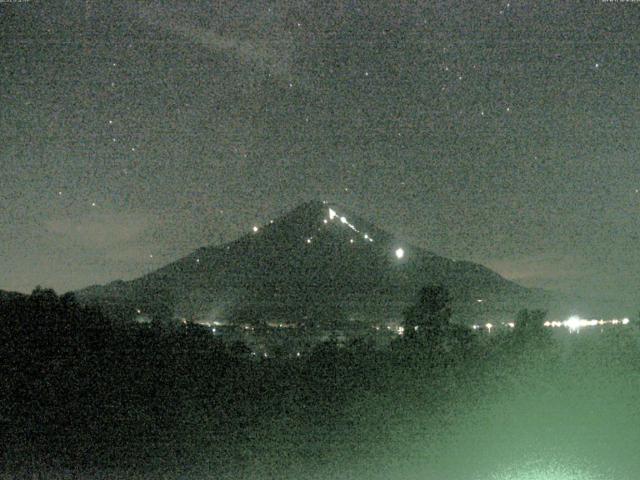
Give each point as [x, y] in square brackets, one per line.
[529, 325]
[431, 314]
[530, 320]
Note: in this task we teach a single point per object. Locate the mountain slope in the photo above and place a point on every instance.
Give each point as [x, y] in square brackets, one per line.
[314, 263]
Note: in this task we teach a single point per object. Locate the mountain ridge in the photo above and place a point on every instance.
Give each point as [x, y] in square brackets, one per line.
[314, 257]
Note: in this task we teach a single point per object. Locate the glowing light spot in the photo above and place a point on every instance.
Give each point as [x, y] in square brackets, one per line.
[332, 214]
[625, 321]
[399, 253]
[255, 229]
[308, 240]
[573, 323]
[351, 240]
[488, 326]
[343, 219]
[325, 220]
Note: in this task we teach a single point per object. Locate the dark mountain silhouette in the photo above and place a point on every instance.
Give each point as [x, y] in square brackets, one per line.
[316, 263]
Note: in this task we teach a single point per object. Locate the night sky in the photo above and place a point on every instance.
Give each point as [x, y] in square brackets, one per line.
[507, 133]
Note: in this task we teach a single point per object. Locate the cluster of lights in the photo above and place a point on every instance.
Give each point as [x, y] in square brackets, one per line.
[487, 326]
[575, 323]
[343, 220]
[399, 329]
[399, 252]
[572, 323]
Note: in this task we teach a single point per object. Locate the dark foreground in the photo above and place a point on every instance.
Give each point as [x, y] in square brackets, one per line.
[96, 400]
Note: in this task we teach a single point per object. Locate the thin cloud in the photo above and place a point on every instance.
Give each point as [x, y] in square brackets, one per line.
[266, 53]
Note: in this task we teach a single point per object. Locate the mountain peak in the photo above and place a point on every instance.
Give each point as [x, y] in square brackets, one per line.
[317, 260]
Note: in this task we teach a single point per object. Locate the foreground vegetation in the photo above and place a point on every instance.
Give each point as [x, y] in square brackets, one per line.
[82, 394]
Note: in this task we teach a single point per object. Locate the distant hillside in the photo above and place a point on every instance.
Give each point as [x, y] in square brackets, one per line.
[316, 263]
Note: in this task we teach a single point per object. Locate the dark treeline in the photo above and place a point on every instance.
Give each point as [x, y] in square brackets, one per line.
[81, 392]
